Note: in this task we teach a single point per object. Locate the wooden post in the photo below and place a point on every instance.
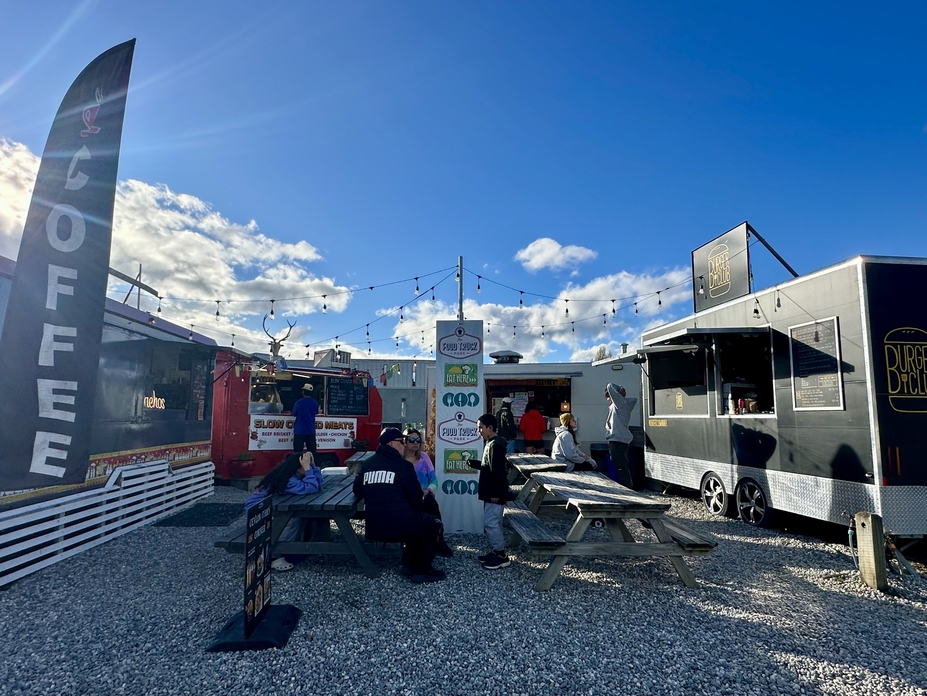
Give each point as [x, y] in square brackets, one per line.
[871, 542]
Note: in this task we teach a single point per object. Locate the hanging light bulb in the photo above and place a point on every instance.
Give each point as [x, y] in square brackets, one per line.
[416, 285]
[159, 304]
[604, 321]
[432, 296]
[400, 314]
[233, 340]
[487, 328]
[217, 309]
[756, 308]
[778, 303]
[458, 277]
[368, 333]
[368, 348]
[478, 279]
[397, 341]
[659, 301]
[573, 327]
[635, 307]
[513, 332]
[521, 302]
[151, 319]
[542, 331]
[567, 313]
[272, 309]
[423, 337]
[613, 308]
[324, 304]
[190, 337]
[701, 285]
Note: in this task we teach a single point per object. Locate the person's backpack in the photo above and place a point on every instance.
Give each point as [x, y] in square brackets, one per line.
[507, 424]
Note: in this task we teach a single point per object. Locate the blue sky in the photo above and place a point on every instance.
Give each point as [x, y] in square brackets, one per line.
[566, 149]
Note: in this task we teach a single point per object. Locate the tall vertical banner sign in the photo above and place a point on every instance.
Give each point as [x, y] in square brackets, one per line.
[459, 402]
[50, 346]
[721, 269]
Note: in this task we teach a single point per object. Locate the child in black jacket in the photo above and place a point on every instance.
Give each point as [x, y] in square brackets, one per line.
[493, 491]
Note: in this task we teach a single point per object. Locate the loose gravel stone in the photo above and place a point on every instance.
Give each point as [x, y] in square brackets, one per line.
[775, 613]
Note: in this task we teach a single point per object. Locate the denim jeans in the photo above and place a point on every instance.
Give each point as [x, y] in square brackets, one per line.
[492, 525]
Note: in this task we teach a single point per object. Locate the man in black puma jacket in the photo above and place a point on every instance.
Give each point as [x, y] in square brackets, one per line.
[393, 495]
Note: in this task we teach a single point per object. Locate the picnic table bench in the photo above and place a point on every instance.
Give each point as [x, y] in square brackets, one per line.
[593, 496]
[334, 502]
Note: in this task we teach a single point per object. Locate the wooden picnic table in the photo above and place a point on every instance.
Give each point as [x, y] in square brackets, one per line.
[336, 502]
[594, 496]
[528, 464]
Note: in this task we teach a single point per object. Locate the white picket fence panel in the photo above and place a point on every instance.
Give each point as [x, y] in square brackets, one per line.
[36, 536]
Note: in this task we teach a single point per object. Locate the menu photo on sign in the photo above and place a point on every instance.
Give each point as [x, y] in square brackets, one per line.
[257, 564]
[814, 351]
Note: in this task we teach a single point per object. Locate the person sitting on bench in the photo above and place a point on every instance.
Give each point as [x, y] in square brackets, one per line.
[297, 474]
[566, 448]
[393, 507]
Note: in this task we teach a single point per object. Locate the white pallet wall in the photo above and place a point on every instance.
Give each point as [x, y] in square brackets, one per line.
[35, 536]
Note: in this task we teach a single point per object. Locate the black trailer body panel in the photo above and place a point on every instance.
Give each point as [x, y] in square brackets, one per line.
[816, 390]
[898, 321]
[807, 442]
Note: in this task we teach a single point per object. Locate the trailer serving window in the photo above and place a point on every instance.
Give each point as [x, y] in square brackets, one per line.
[678, 380]
[745, 373]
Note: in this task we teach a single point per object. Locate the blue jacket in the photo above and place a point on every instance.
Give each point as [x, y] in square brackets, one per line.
[297, 485]
[305, 411]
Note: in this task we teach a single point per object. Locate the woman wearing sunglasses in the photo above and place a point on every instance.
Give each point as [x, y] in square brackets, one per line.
[425, 470]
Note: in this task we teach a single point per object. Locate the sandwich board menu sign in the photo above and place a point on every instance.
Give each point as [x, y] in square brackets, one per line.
[257, 564]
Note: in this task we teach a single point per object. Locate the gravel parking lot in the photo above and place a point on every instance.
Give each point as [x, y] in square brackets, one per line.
[776, 613]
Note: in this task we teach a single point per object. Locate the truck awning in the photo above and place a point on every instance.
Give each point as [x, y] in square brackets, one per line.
[702, 334]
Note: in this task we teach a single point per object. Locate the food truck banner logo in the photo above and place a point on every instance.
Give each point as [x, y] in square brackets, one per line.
[257, 564]
[465, 375]
[455, 461]
[272, 433]
[721, 269]
[459, 402]
[906, 369]
[50, 347]
[458, 430]
[460, 345]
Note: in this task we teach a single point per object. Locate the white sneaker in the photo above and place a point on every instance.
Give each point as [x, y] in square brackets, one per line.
[281, 564]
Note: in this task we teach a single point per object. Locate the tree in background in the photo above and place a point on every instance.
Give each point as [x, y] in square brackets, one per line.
[602, 353]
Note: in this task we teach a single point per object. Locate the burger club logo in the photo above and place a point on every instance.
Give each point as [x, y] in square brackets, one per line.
[460, 344]
[906, 369]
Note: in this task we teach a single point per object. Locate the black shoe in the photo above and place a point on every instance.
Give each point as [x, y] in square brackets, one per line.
[645, 524]
[497, 561]
[428, 575]
[486, 557]
[444, 550]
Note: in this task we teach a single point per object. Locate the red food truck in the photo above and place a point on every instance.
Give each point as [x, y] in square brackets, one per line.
[253, 401]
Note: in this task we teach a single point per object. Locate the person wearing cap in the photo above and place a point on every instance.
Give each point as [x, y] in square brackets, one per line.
[566, 448]
[389, 486]
[507, 428]
[304, 412]
[617, 433]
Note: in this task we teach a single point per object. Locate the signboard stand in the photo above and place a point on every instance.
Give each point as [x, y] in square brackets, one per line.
[259, 625]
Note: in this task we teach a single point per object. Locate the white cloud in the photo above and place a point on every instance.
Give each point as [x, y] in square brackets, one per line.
[191, 255]
[589, 322]
[548, 253]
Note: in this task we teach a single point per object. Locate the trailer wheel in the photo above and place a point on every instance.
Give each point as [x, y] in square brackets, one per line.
[752, 503]
[715, 499]
[325, 460]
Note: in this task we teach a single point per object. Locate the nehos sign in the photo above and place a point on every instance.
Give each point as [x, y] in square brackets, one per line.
[461, 399]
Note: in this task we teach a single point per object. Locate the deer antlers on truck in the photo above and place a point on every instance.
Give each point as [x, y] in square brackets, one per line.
[276, 343]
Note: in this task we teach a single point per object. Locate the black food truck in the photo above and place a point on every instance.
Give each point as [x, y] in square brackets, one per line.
[808, 397]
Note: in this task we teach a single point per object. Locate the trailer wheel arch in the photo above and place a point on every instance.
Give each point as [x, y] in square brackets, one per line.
[716, 499]
[752, 503]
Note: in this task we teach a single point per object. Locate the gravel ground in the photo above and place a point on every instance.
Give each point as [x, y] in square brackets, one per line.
[776, 613]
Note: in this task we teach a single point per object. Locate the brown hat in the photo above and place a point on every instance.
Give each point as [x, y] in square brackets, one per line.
[565, 418]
